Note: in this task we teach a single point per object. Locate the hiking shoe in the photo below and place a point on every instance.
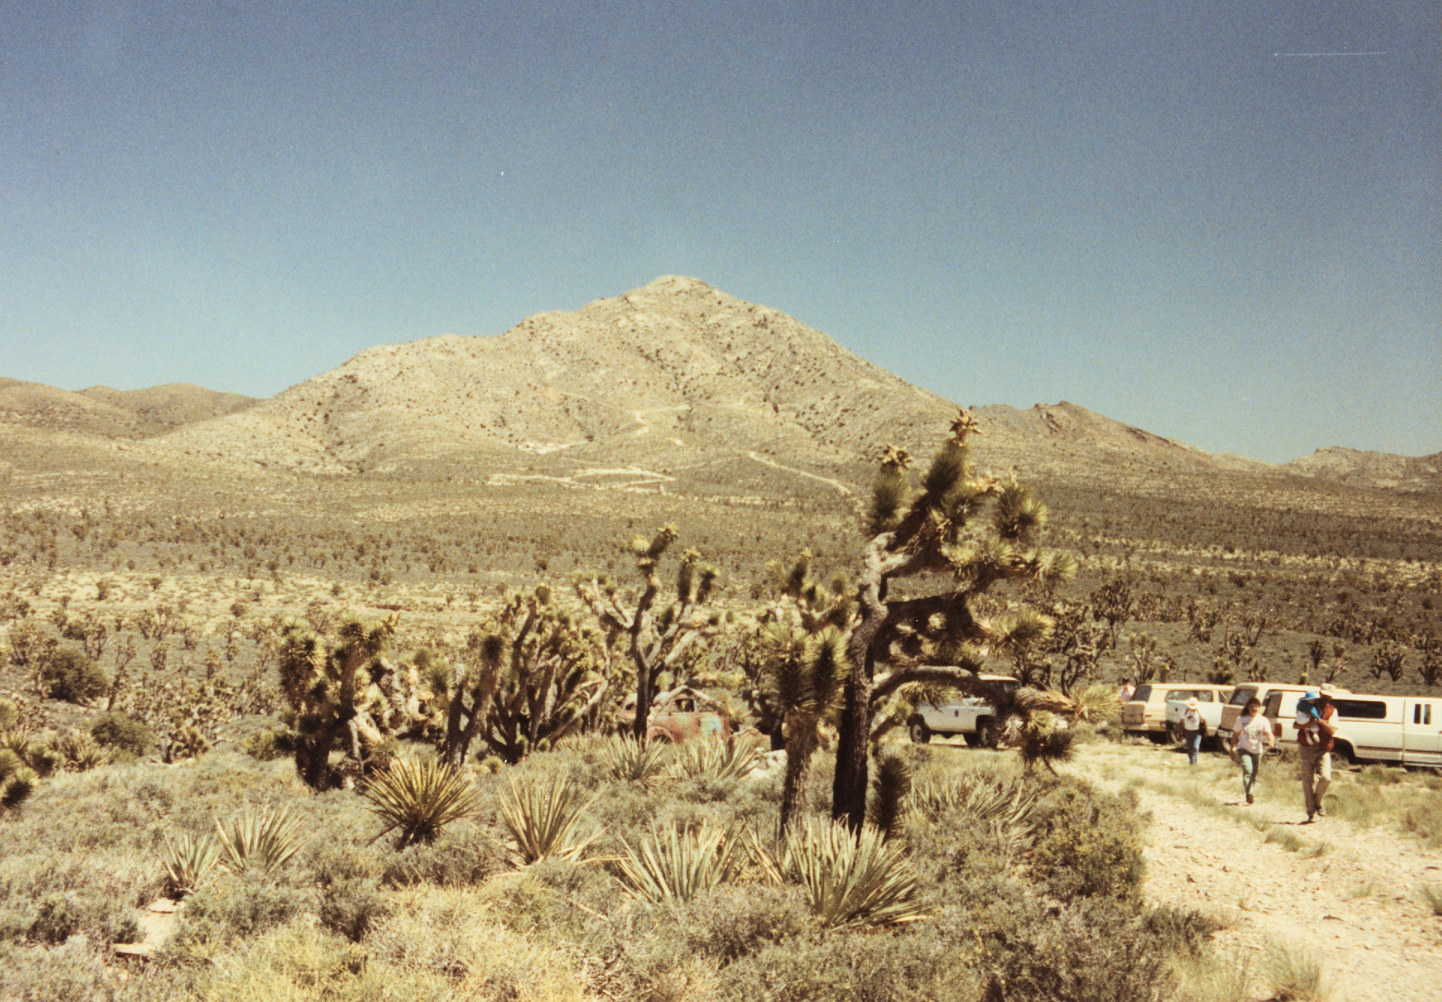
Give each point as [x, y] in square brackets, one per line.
[1321, 813]
[1309, 819]
[1249, 798]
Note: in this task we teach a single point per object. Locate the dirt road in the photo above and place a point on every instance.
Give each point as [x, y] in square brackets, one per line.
[1347, 895]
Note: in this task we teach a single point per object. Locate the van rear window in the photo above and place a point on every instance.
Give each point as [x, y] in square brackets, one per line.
[1361, 709]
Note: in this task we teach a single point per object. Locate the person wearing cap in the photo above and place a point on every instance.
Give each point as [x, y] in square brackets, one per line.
[1193, 729]
[1252, 735]
[1314, 746]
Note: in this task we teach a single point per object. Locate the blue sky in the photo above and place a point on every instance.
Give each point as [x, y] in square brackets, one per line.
[1221, 222]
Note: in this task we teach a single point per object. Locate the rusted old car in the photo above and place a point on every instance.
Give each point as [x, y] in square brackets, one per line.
[679, 714]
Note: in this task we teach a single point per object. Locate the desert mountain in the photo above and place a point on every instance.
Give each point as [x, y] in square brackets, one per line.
[666, 374]
[675, 378]
[1372, 469]
[106, 413]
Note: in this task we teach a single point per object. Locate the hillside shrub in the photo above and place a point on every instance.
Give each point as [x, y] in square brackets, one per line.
[1088, 844]
[120, 733]
[71, 676]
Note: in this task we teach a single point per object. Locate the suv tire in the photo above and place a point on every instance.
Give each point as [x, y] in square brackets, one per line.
[920, 733]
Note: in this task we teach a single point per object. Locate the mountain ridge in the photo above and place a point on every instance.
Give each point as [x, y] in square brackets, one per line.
[666, 374]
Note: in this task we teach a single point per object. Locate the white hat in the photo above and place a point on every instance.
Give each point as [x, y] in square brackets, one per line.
[1192, 704]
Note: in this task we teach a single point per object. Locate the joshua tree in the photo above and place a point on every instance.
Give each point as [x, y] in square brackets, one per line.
[540, 676]
[802, 681]
[327, 685]
[655, 637]
[974, 531]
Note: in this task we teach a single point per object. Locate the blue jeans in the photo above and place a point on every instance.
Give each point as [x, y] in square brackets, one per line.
[1193, 742]
[1251, 762]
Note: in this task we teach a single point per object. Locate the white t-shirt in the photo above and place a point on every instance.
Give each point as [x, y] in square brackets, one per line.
[1251, 733]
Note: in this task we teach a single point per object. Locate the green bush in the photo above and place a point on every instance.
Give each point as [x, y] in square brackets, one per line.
[119, 732]
[1088, 844]
[454, 860]
[70, 676]
[230, 907]
[351, 901]
[1087, 950]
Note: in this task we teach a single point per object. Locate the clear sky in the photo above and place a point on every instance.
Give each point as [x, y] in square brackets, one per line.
[1219, 221]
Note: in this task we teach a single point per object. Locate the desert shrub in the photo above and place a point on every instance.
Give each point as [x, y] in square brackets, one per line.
[1084, 950]
[1180, 930]
[553, 896]
[455, 860]
[1088, 844]
[229, 907]
[733, 921]
[57, 918]
[351, 901]
[120, 733]
[71, 676]
[912, 966]
[269, 744]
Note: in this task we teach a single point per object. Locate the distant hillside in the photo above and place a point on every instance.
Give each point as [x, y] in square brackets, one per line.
[107, 413]
[1372, 469]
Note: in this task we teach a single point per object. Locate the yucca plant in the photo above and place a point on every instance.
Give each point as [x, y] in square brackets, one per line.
[188, 859]
[985, 800]
[420, 798]
[851, 878]
[630, 760]
[543, 820]
[17, 780]
[79, 751]
[259, 840]
[1045, 739]
[676, 865]
[717, 758]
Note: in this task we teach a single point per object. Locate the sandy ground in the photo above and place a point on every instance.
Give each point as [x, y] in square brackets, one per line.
[1349, 895]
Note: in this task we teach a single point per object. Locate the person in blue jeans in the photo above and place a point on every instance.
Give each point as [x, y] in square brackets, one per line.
[1193, 730]
[1252, 735]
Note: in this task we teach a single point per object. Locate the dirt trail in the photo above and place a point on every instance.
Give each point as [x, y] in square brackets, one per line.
[1348, 896]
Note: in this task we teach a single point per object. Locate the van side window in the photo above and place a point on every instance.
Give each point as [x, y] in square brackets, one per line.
[1422, 713]
[1204, 696]
[1273, 704]
[1361, 709]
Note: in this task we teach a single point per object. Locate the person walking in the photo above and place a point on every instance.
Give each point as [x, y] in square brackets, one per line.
[1252, 735]
[1314, 746]
[1193, 729]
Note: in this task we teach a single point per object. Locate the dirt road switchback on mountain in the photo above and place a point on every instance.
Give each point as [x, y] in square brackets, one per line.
[1349, 896]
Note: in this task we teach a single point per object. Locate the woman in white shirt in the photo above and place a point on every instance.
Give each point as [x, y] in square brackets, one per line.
[1193, 729]
[1251, 736]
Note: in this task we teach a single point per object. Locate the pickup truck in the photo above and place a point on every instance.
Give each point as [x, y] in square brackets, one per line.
[970, 716]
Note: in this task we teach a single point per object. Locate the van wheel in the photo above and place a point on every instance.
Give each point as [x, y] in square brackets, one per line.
[920, 733]
[972, 739]
[1344, 751]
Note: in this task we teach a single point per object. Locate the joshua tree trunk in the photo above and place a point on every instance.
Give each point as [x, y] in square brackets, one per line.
[800, 748]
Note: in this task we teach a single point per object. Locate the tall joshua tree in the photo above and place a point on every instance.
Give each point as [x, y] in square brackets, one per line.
[802, 681]
[952, 537]
[656, 634]
[329, 687]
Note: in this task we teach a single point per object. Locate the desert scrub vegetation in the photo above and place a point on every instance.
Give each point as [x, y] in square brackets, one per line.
[995, 879]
